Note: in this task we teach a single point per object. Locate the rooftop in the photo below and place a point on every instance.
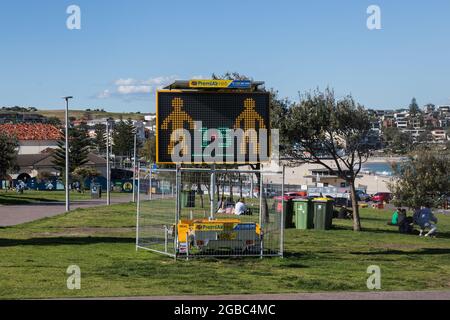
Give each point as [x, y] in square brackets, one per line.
[32, 131]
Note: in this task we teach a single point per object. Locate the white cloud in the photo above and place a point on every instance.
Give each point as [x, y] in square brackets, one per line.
[104, 94]
[133, 89]
[130, 88]
[125, 82]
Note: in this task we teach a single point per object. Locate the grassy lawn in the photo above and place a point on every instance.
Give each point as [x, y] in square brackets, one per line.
[31, 196]
[35, 256]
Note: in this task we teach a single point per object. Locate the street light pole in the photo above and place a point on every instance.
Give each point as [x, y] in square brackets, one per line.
[108, 169]
[67, 152]
[134, 167]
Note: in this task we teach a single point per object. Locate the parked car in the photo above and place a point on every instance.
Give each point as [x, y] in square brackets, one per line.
[362, 196]
[296, 194]
[382, 197]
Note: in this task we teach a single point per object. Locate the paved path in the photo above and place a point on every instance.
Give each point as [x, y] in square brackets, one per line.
[373, 295]
[17, 214]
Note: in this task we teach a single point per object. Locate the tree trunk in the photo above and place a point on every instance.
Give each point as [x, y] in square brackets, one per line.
[240, 186]
[355, 207]
[230, 182]
[200, 192]
[218, 185]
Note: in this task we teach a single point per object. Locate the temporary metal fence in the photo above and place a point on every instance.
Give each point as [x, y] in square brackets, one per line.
[194, 212]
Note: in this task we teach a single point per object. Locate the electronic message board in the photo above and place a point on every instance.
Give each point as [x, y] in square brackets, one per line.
[212, 127]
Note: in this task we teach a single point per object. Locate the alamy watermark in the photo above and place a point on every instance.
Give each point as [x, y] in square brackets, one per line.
[74, 279]
[73, 21]
[374, 19]
[374, 280]
[234, 146]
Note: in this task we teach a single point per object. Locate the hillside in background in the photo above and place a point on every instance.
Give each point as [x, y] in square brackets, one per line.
[90, 115]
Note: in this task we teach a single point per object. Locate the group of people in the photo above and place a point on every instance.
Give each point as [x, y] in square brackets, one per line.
[423, 217]
[228, 206]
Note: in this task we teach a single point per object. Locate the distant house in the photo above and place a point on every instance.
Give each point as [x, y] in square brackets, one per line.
[21, 117]
[402, 124]
[325, 177]
[444, 110]
[439, 135]
[414, 133]
[33, 137]
[30, 165]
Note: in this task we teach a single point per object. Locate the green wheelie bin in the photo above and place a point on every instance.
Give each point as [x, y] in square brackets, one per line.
[285, 203]
[323, 213]
[303, 214]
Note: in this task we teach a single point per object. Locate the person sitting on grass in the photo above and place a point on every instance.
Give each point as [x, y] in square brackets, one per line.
[240, 208]
[394, 219]
[405, 223]
[427, 220]
[344, 213]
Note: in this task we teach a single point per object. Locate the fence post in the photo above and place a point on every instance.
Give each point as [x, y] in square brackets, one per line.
[178, 206]
[150, 184]
[187, 245]
[213, 192]
[166, 230]
[138, 209]
[261, 192]
[282, 224]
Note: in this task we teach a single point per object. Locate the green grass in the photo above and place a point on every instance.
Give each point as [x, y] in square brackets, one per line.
[30, 196]
[35, 256]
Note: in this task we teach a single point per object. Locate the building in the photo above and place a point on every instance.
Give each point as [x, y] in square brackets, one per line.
[21, 117]
[32, 165]
[444, 110]
[33, 137]
[414, 133]
[439, 135]
[402, 124]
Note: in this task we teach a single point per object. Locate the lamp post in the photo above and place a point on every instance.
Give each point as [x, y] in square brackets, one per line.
[67, 152]
[134, 167]
[108, 169]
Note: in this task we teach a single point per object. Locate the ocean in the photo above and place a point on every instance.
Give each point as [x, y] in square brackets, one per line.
[378, 168]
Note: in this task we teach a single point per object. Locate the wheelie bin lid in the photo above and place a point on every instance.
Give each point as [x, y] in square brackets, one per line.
[302, 199]
[322, 199]
[285, 198]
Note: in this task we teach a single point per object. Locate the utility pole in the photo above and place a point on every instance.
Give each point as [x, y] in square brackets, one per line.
[108, 169]
[134, 167]
[67, 152]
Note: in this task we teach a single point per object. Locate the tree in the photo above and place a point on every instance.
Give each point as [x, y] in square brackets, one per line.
[79, 144]
[54, 121]
[148, 151]
[99, 142]
[123, 137]
[414, 109]
[424, 179]
[397, 142]
[83, 173]
[44, 175]
[8, 153]
[322, 128]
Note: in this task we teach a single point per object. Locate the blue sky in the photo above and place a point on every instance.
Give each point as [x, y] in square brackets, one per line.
[126, 49]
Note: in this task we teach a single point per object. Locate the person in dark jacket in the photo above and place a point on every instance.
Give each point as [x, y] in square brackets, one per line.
[405, 223]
